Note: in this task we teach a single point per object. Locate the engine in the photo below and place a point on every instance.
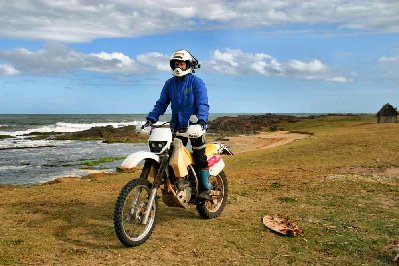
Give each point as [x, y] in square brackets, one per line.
[183, 191]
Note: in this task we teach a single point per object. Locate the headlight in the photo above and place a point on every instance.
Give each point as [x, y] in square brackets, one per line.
[157, 146]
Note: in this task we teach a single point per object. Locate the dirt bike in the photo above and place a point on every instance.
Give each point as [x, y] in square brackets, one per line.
[168, 166]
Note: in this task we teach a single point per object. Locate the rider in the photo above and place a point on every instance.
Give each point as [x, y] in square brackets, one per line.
[188, 96]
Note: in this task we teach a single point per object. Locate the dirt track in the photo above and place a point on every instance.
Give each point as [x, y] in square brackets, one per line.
[246, 143]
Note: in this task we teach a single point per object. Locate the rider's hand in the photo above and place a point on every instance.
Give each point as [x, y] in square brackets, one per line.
[203, 124]
[148, 123]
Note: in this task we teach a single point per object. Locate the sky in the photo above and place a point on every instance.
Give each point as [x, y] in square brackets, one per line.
[258, 56]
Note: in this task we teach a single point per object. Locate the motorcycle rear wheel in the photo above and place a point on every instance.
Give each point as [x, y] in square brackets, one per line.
[130, 210]
[209, 209]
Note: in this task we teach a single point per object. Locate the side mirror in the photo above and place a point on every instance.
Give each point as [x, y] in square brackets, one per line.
[139, 127]
[193, 119]
[141, 130]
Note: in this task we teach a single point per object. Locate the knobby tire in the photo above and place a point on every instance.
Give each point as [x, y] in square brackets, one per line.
[119, 227]
[204, 206]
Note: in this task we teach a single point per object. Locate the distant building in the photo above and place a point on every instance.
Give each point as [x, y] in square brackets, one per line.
[387, 114]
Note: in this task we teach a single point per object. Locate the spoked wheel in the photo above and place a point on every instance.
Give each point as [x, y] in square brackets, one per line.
[130, 211]
[212, 208]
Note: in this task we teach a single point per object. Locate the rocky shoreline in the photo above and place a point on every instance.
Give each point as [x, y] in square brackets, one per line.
[107, 134]
[242, 124]
[250, 124]
[221, 126]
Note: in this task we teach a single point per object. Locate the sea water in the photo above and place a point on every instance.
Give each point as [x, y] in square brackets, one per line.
[27, 161]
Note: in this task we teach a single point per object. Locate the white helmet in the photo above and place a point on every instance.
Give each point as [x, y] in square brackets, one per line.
[183, 55]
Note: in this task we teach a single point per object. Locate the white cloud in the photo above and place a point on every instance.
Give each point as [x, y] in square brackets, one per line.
[111, 62]
[160, 61]
[389, 60]
[237, 62]
[57, 59]
[8, 70]
[340, 79]
[313, 69]
[389, 65]
[313, 66]
[85, 20]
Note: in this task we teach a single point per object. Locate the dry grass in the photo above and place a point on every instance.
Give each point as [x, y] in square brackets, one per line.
[341, 185]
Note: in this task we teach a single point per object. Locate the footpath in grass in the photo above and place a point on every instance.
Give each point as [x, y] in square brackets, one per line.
[341, 185]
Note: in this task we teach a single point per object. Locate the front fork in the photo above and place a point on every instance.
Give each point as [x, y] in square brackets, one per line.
[164, 160]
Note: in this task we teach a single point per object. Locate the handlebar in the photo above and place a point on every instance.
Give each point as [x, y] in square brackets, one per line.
[154, 125]
[192, 131]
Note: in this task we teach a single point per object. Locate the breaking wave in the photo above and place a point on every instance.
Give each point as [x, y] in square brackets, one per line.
[66, 127]
[20, 143]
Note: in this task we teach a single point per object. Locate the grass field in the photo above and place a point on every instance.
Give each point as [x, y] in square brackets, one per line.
[341, 186]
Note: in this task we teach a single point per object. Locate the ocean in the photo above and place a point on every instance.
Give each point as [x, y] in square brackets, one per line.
[25, 161]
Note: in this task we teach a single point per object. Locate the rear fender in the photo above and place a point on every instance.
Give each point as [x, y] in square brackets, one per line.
[215, 161]
[135, 158]
[217, 148]
[217, 165]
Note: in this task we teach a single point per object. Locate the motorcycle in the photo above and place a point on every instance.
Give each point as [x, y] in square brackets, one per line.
[169, 167]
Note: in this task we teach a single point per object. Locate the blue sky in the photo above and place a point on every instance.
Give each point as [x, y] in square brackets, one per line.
[289, 56]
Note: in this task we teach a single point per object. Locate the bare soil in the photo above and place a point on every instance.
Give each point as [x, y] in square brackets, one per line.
[264, 140]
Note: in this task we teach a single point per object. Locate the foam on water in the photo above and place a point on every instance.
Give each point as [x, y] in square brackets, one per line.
[18, 143]
[12, 167]
[66, 127]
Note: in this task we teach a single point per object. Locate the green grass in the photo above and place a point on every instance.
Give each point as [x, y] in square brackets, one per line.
[339, 185]
[95, 162]
[102, 160]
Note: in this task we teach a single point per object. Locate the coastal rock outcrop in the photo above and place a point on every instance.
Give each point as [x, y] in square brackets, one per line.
[232, 125]
[5, 137]
[108, 134]
[249, 124]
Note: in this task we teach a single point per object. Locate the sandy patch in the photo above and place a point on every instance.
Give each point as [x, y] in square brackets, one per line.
[386, 172]
[262, 141]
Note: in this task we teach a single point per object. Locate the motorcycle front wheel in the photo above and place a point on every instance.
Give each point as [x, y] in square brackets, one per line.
[129, 213]
[212, 208]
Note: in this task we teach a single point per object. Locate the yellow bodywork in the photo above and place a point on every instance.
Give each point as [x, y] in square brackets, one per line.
[182, 158]
[210, 150]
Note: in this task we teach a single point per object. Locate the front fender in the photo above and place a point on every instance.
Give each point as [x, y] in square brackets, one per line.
[135, 158]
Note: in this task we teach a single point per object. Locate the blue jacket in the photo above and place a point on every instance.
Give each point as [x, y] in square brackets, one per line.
[188, 97]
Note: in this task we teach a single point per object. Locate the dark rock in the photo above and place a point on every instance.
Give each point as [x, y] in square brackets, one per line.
[5, 137]
[25, 148]
[108, 134]
[249, 124]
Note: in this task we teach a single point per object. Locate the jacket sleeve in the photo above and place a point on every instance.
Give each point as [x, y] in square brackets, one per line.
[161, 105]
[201, 100]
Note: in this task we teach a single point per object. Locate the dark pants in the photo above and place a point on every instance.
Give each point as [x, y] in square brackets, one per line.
[198, 145]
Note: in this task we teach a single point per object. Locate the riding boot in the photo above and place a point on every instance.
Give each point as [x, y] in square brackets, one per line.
[204, 185]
